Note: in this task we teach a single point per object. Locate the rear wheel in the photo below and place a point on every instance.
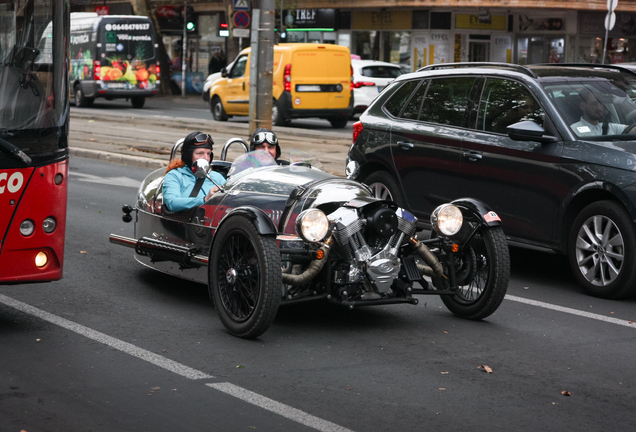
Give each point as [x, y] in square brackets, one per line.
[483, 271]
[277, 115]
[245, 278]
[138, 101]
[602, 250]
[384, 187]
[338, 122]
[80, 99]
[218, 112]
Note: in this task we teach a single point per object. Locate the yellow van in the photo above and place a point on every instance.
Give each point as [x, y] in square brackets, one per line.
[310, 80]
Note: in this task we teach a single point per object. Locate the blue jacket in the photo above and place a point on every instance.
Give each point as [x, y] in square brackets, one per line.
[178, 184]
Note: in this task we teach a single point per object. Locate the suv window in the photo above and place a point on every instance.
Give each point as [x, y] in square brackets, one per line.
[505, 102]
[239, 67]
[446, 100]
[412, 109]
[381, 71]
[399, 98]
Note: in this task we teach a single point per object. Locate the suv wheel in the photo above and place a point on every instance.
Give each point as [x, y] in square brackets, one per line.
[338, 122]
[384, 187]
[602, 250]
[218, 112]
[80, 99]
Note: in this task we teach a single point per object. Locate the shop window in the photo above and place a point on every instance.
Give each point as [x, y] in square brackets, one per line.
[441, 20]
[420, 20]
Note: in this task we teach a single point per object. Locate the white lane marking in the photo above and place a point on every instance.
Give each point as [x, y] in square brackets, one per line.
[112, 342]
[111, 181]
[572, 311]
[278, 408]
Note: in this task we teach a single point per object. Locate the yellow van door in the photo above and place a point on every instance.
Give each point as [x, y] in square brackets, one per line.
[237, 101]
[321, 77]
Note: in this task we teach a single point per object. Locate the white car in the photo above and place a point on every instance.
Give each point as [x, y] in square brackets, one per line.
[369, 79]
[205, 93]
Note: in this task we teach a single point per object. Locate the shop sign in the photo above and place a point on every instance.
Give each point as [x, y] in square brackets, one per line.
[381, 20]
[593, 24]
[538, 24]
[101, 10]
[477, 22]
[310, 18]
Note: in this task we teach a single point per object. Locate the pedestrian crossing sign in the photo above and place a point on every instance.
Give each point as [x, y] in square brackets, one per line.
[241, 5]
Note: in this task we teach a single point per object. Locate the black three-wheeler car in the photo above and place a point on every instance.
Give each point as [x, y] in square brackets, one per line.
[279, 234]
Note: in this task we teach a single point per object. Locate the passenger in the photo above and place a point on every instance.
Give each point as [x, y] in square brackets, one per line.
[265, 139]
[591, 123]
[181, 189]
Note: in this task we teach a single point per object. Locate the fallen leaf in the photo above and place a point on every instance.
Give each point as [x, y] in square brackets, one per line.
[83, 252]
[631, 322]
[526, 287]
[444, 373]
[441, 388]
[38, 340]
[486, 368]
[164, 350]
[348, 388]
[566, 393]
[239, 366]
[92, 139]
[91, 121]
[445, 332]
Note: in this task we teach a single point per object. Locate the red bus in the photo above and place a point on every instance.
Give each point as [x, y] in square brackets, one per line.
[34, 116]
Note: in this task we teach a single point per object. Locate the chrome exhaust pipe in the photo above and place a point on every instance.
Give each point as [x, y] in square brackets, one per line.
[146, 246]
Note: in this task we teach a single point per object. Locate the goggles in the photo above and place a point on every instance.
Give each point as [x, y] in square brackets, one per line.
[202, 138]
[265, 137]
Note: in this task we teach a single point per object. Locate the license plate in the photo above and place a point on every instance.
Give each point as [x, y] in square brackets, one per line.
[115, 86]
[308, 88]
[380, 88]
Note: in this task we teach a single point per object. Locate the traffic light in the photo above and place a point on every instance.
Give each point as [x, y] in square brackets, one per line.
[190, 26]
[191, 23]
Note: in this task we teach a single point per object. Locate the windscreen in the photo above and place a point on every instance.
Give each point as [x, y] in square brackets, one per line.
[33, 79]
[127, 53]
[597, 109]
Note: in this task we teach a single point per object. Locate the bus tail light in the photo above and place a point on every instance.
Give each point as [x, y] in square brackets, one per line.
[97, 70]
[49, 224]
[27, 227]
[287, 77]
[41, 259]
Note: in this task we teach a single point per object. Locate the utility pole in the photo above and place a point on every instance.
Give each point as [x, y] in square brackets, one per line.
[183, 50]
[262, 65]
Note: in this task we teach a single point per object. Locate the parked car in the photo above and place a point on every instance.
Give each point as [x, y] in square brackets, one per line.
[205, 94]
[559, 172]
[310, 80]
[283, 234]
[369, 79]
[113, 57]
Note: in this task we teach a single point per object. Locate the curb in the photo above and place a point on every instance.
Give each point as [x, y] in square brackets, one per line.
[138, 161]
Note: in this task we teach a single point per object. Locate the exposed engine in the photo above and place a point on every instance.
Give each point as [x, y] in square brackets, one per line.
[369, 238]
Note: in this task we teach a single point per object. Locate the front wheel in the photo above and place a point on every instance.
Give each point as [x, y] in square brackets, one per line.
[384, 187]
[602, 250]
[245, 278]
[218, 112]
[482, 269]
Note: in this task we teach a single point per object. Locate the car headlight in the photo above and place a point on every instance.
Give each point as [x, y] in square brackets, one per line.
[312, 225]
[447, 219]
[27, 227]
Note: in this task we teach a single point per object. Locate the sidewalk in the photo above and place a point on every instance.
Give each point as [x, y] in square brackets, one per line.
[147, 141]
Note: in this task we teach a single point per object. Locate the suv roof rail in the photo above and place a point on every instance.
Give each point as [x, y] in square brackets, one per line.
[617, 67]
[515, 67]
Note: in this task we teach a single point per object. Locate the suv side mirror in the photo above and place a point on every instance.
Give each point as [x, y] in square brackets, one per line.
[529, 131]
[224, 73]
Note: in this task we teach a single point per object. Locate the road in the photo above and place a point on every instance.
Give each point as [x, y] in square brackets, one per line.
[117, 347]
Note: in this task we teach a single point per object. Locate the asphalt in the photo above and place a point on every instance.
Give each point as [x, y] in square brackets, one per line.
[146, 140]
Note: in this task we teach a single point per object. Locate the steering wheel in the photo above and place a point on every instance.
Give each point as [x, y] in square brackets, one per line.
[628, 129]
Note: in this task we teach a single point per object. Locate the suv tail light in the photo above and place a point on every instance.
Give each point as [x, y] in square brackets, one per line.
[357, 129]
[351, 80]
[363, 84]
[97, 70]
[287, 77]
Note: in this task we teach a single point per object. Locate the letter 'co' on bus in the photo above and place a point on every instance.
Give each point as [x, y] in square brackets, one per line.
[33, 139]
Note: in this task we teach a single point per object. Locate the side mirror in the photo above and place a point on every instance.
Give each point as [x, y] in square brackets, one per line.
[224, 73]
[529, 131]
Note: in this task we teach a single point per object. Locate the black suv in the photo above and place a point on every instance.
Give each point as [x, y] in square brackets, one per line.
[549, 147]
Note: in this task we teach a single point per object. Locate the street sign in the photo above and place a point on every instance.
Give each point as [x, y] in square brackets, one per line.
[610, 20]
[241, 32]
[243, 5]
[241, 19]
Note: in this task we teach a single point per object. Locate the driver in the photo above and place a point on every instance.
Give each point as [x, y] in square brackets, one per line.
[591, 123]
[265, 139]
[181, 189]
